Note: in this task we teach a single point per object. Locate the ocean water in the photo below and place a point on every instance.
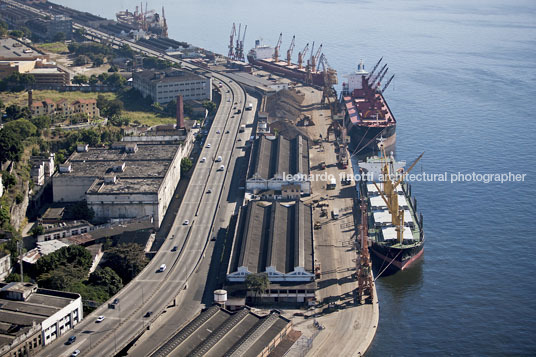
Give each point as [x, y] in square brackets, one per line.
[464, 93]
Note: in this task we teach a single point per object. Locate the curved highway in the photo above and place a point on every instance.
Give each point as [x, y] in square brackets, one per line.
[152, 290]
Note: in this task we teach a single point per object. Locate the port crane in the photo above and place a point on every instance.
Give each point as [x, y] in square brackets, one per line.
[240, 53]
[277, 47]
[290, 49]
[378, 75]
[164, 24]
[365, 284]
[374, 69]
[315, 57]
[378, 83]
[231, 42]
[301, 56]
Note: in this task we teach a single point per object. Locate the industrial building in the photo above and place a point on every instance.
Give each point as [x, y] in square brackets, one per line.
[126, 180]
[274, 238]
[31, 318]
[48, 29]
[277, 163]
[218, 332]
[164, 86]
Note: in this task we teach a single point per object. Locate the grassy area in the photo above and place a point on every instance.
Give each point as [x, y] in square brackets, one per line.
[144, 117]
[54, 47]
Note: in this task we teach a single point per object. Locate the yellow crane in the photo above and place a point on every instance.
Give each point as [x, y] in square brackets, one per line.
[289, 51]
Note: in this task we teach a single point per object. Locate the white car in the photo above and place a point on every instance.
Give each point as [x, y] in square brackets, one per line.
[203, 159]
[218, 132]
[186, 222]
[222, 167]
[208, 146]
[100, 319]
[75, 353]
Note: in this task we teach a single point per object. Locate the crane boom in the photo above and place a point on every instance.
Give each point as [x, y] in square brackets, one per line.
[277, 46]
[374, 69]
[315, 58]
[237, 47]
[301, 56]
[290, 49]
[241, 51]
[387, 84]
[378, 83]
[378, 75]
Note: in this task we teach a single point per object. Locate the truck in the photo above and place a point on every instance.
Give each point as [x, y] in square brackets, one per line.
[242, 128]
[332, 184]
[335, 213]
[249, 106]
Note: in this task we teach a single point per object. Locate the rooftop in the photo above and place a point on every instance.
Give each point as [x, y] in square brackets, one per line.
[11, 49]
[271, 158]
[273, 234]
[170, 75]
[218, 332]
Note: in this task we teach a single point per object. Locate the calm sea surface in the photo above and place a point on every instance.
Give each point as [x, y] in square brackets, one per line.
[465, 94]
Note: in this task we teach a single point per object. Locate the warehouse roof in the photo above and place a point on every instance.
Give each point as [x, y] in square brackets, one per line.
[170, 75]
[218, 332]
[275, 235]
[271, 158]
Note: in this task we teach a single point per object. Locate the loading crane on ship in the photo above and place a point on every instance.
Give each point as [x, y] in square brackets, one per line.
[374, 69]
[290, 49]
[301, 56]
[377, 84]
[240, 54]
[277, 46]
[387, 84]
[316, 57]
[390, 196]
[377, 75]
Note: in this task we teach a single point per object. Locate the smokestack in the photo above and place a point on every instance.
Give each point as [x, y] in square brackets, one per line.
[180, 112]
[30, 99]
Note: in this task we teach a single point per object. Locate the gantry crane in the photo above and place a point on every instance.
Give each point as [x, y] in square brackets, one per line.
[277, 46]
[289, 51]
[164, 25]
[301, 56]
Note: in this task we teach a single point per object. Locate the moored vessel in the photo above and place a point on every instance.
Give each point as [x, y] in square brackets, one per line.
[395, 228]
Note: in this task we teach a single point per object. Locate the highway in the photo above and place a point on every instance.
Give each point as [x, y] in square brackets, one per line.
[152, 290]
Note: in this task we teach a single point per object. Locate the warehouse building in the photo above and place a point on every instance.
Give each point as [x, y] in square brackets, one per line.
[127, 180]
[218, 332]
[164, 86]
[274, 238]
[31, 318]
[277, 163]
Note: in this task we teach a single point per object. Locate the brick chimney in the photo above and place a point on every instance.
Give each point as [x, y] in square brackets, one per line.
[180, 112]
[30, 99]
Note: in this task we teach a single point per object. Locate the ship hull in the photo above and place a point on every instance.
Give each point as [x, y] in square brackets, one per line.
[317, 78]
[396, 258]
[364, 139]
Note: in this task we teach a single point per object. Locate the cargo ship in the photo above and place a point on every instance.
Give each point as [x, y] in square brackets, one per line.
[367, 117]
[147, 20]
[316, 71]
[395, 229]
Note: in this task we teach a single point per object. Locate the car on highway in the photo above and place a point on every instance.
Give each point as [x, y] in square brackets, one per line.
[222, 167]
[218, 159]
[228, 100]
[186, 222]
[75, 353]
[203, 159]
[209, 191]
[70, 340]
[239, 139]
[227, 132]
[100, 319]
[116, 301]
[148, 314]
[208, 146]
[162, 268]
[174, 249]
[218, 132]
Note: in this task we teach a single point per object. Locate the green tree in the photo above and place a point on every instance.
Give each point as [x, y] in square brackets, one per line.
[80, 79]
[10, 147]
[258, 283]
[115, 80]
[107, 279]
[8, 180]
[157, 107]
[20, 129]
[93, 80]
[186, 164]
[113, 69]
[98, 61]
[15, 111]
[16, 33]
[74, 255]
[37, 230]
[81, 60]
[59, 37]
[41, 121]
[210, 106]
[127, 260]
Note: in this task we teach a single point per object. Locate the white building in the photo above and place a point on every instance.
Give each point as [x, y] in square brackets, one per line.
[24, 305]
[164, 86]
[277, 163]
[5, 265]
[127, 180]
[64, 230]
